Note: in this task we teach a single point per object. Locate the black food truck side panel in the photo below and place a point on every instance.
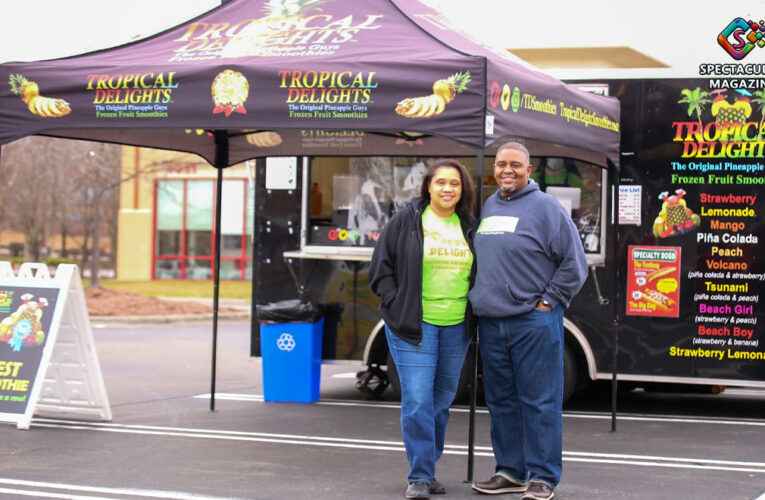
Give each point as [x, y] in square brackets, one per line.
[277, 229]
[339, 288]
[692, 274]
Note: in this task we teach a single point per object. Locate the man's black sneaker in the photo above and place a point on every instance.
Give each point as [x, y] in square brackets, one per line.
[538, 491]
[435, 487]
[417, 489]
[498, 485]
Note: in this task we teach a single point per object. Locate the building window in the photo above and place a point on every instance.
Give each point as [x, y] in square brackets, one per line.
[185, 233]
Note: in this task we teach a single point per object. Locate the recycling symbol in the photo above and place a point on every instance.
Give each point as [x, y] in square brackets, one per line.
[285, 342]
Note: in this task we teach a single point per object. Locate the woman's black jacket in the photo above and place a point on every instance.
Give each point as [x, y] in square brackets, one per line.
[395, 273]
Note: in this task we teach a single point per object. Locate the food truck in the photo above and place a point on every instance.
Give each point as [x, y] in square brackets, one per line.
[672, 239]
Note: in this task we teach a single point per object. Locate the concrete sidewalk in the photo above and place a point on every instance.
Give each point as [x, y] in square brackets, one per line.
[228, 310]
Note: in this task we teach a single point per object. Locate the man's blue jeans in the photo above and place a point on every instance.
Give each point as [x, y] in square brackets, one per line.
[523, 377]
[429, 375]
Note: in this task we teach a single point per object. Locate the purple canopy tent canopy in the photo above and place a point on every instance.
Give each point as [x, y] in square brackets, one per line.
[258, 78]
[258, 65]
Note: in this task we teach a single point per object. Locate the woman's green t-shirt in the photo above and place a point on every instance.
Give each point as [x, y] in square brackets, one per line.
[446, 263]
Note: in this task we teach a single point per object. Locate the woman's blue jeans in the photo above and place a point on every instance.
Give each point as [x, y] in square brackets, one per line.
[523, 378]
[429, 375]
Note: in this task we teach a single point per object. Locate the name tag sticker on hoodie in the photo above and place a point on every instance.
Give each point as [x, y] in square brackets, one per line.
[498, 224]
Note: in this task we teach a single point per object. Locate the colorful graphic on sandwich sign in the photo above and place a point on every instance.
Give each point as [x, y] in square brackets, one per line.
[26, 314]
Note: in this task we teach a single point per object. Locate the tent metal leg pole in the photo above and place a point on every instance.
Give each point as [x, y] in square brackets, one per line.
[221, 161]
[216, 287]
[471, 419]
[614, 176]
[474, 343]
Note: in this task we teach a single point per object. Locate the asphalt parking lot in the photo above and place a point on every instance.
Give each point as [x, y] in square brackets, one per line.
[165, 442]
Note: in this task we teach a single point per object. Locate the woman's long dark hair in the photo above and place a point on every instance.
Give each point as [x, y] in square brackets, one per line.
[465, 203]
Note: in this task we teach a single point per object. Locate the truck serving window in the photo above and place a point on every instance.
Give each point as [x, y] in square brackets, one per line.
[579, 187]
[351, 199]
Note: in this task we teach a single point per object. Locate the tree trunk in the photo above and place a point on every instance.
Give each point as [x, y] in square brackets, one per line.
[95, 254]
[63, 242]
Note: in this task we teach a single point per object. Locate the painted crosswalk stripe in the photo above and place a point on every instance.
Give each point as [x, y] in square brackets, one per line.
[384, 445]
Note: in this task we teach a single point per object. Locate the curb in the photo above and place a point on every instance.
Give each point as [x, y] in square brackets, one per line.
[170, 318]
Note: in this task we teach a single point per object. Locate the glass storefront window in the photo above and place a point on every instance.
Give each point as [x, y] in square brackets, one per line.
[168, 242]
[233, 223]
[199, 217]
[230, 269]
[169, 217]
[199, 243]
[185, 234]
[168, 269]
[198, 269]
[249, 219]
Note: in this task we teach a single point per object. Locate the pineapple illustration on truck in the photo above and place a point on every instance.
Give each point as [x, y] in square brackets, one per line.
[675, 217]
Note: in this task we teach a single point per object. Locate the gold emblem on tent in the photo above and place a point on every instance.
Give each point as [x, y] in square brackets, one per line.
[230, 90]
[444, 92]
[30, 93]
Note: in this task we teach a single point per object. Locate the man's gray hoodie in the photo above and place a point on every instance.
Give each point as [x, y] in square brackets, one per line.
[527, 248]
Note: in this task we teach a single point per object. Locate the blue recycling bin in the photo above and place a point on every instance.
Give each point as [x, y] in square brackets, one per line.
[291, 359]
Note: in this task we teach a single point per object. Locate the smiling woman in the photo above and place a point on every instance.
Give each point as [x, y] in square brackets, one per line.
[421, 268]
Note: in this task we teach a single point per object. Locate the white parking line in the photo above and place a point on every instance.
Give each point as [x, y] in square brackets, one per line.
[35, 489]
[636, 417]
[379, 445]
[45, 494]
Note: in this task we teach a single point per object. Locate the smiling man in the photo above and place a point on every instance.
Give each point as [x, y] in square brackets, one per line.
[530, 264]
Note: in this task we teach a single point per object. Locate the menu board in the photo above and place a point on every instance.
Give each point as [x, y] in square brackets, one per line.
[694, 274]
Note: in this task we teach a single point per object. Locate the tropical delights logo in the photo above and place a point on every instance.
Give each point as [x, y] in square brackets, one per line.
[132, 95]
[287, 28]
[328, 94]
[729, 133]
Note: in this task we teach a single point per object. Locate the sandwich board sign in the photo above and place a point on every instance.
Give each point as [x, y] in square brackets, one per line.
[48, 361]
